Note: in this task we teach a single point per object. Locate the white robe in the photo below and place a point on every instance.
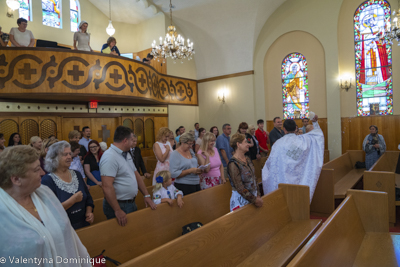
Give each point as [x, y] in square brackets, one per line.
[23, 237]
[295, 159]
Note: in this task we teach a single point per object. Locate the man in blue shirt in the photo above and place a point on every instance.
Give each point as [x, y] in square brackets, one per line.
[181, 131]
[84, 142]
[224, 148]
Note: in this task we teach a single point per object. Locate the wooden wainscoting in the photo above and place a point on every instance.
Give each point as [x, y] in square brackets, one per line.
[355, 129]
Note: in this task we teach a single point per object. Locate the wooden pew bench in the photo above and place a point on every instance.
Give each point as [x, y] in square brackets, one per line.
[148, 229]
[96, 192]
[258, 166]
[356, 234]
[98, 206]
[337, 176]
[382, 177]
[150, 163]
[250, 236]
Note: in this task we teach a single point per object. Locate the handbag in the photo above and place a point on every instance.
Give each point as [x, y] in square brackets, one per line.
[360, 165]
[100, 260]
[190, 227]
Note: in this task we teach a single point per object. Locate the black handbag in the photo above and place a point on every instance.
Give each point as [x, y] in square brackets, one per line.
[190, 227]
[360, 165]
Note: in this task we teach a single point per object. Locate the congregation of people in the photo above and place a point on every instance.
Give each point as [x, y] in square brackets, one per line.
[48, 181]
[22, 37]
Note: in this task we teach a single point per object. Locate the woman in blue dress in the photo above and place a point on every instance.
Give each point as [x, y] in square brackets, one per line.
[68, 185]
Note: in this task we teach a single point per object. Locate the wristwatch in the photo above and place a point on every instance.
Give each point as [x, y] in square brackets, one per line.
[147, 196]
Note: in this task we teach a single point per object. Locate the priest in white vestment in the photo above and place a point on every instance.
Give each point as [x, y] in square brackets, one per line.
[295, 159]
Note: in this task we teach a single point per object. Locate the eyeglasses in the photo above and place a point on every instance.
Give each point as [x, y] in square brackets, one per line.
[190, 143]
[93, 147]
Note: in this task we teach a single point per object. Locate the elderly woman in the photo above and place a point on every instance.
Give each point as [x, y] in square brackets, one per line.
[91, 163]
[199, 140]
[82, 37]
[374, 146]
[34, 223]
[110, 47]
[15, 140]
[68, 185]
[183, 166]
[254, 151]
[241, 175]
[208, 155]
[2, 141]
[36, 142]
[45, 147]
[162, 150]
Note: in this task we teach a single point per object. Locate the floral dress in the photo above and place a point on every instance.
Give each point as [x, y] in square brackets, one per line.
[243, 181]
[162, 166]
[213, 177]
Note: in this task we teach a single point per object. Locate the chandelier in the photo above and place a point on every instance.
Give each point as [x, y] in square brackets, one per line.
[173, 45]
[110, 29]
[392, 32]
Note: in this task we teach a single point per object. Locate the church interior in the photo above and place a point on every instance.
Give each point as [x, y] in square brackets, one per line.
[254, 59]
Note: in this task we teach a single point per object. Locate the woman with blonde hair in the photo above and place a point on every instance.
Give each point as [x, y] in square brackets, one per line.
[184, 166]
[241, 175]
[36, 142]
[162, 149]
[34, 223]
[208, 155]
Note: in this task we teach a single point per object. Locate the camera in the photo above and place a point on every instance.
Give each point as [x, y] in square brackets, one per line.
[374, 142]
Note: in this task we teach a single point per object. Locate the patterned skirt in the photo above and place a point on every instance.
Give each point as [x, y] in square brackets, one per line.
[237, 201]
[207, 182]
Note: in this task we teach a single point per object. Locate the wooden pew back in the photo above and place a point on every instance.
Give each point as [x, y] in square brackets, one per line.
[387, 162]
[338, 241]
[148, 229]
[231, 239]
[96, 192]
[150, 163]
[258, 165]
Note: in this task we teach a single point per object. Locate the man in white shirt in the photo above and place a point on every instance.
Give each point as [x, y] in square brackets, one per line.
[21, 37]
[120, 179]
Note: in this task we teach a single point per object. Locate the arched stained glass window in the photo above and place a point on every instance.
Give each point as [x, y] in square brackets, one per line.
[74, 10]
[25, 9]
[51, 10]
[295, 86]
[373, 59]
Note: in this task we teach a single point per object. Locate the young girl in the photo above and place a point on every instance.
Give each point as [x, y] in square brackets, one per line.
[165, 191]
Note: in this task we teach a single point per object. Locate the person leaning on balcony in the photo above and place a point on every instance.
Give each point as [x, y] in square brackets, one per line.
[110, 47]
[21, 37]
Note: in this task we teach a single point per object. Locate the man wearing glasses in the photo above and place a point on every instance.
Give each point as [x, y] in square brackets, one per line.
[21, 37]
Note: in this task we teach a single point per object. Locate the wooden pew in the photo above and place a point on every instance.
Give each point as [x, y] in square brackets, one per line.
[337, 176]
[258, 166]
[326, 156]
[148, 229]
[150, 163]
[96, 192]
[98, 206]
[356, 234]
[382, 177]
[249, 236]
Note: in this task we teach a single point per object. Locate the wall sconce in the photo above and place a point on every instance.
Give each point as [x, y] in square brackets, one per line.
[12, 6]
[347, 82]
[221, 97]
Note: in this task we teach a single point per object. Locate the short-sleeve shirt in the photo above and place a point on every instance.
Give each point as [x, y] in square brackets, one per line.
[91, 160]
[23, 38]
[178, 163]
[171, 192]
[223, 143]
[114, 164]
[215, 164]
[84, 142]
[83, 40]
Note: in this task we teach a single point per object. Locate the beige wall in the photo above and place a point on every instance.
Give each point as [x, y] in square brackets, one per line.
[130, 37]
[238, 107]
[185, 116]
[347, 59]
[319, 18]
[313, 51]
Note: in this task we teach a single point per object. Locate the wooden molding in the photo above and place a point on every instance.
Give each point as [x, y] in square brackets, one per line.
[226, 76]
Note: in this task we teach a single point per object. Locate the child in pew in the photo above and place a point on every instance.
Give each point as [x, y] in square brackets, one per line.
[165, 191]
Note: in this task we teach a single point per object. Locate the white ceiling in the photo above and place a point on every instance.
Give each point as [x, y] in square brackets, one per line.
[224, 32]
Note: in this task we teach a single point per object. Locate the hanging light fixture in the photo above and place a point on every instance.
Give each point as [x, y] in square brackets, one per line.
[391, 31]
[173, 45]
[12, 6]
[110, 29]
